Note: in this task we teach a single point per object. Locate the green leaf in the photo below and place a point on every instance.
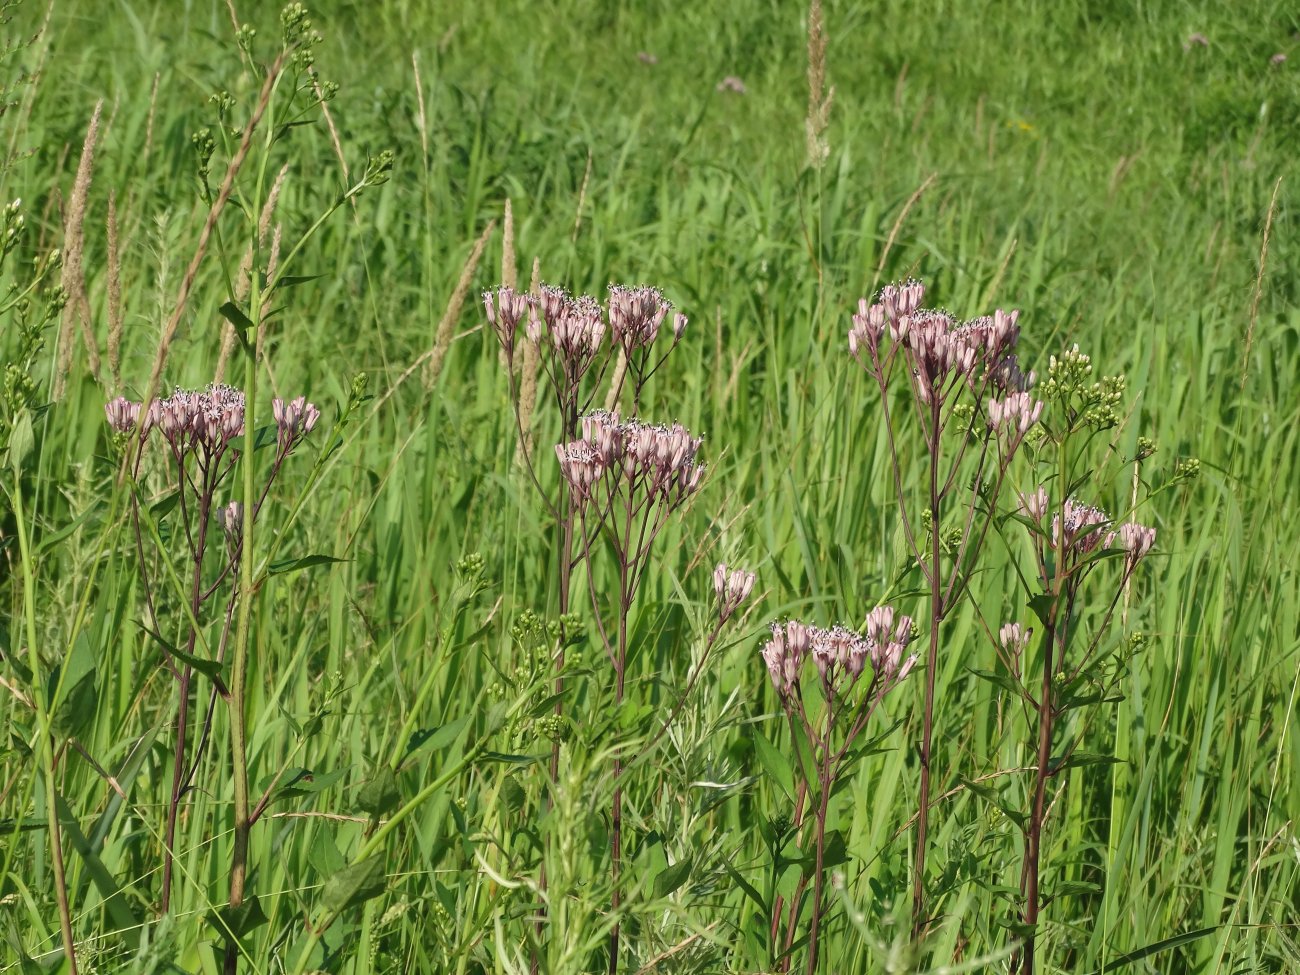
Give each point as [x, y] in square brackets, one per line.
[380, 794]
[73, 696]
[672, 877]
[999, 679]
[164, 506]
[436, 738]
[750, 890]
[513, 795]
[124, 923]
[775, 764]
[21, 440]
[355, 884]
[1154, 949]
[212, 669]
[51, 540]
[1082, 760]
[282, 566]
[1042, 605]
[231, 313]
[293, 280]
[238, 921]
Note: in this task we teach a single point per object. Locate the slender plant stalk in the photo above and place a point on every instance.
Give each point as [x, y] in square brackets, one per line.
[44, 736]
[1034, 834]
[819, 877]
[616, 805]
[919, 919]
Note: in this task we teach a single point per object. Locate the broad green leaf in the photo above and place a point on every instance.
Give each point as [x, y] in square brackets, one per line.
[281, 566]
[238, 922]
[775, 763]
[355, 884]
[380, 793]
[672, 877]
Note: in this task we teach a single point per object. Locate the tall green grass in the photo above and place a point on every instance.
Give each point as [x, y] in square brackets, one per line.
[1075, 161]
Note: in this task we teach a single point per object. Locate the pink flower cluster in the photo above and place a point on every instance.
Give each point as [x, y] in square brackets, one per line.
[207, 419]
[635, 315]
[657, 460]
[1087, 528]
[732, 587]
[938, 347]
[840, 654]
[293, 420]
[577, 326]
[1012, 416]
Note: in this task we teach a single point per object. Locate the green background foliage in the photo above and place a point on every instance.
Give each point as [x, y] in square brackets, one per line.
[1075, 160]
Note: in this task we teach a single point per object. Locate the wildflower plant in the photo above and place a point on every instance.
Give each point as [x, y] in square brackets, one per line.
[577, 344]
[627, 478]
[969, 399]
[1083, 562]
[189, 544]
[830, 683]
[977, 412]
[580, 347]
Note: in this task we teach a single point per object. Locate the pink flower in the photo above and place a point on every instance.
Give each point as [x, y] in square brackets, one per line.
[732, 587]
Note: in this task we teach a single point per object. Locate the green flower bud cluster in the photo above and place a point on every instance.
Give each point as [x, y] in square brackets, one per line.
[1187, 470]
[1070, 384]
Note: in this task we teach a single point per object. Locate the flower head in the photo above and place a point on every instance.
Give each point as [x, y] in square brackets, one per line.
[1014, 638]
[732, 587]
[293, 420]
[635, 315]
[1083, 530]
[840, 654]
[505, 309]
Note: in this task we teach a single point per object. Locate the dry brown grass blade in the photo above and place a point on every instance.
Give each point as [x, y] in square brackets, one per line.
[442, 338]
[898, 224]
[219, 204]
[77, 310]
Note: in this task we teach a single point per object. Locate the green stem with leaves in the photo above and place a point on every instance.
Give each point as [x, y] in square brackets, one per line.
[44, 739]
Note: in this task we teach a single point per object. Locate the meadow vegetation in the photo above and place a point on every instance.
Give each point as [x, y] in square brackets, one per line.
[892, 570]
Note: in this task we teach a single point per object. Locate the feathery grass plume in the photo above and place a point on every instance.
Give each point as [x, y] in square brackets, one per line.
[421, 122]
[528, 380]
[243, 281]
[77, 310]
[898, 224]
[509, 272]
[114, 295]
[819, 98]
[1259, 285]
[214, 212]
[442, 335]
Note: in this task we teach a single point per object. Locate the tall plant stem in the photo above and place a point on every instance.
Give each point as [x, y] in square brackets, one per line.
[183, 710]
[44, 736]
[919, 919]
[819, 877]
[1034, 831]
[616, 810]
